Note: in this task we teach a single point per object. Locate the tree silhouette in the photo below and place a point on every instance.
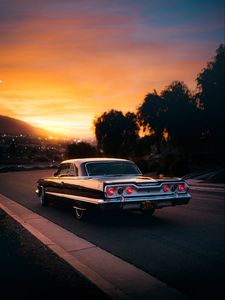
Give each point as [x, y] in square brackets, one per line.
[181, 115]
[211, 96]
[116, 133]
[173, 111]
[150, 116]
[80, 150]
[189, 120]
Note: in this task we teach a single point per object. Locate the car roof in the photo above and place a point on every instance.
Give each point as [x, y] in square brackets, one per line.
[79, 161]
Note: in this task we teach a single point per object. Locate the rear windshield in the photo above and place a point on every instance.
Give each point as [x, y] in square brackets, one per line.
[112, 168]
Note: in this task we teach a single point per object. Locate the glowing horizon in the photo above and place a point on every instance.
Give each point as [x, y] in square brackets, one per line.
[62, 67]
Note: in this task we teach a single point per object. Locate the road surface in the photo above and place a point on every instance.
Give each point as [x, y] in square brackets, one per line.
[182, 246]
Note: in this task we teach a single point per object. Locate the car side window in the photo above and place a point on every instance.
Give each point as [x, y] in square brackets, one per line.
[67, 169]
[73, 170]
[64, 170]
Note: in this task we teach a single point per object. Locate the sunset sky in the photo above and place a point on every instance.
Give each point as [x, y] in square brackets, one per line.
[62, 63]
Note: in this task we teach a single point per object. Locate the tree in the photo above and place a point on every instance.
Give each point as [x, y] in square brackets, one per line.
[181, 115]
[211, 95]
[173, 111]
[80, 150]
[116, 133]
[150, 116]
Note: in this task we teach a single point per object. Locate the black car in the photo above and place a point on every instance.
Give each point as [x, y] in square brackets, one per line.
[110, 184]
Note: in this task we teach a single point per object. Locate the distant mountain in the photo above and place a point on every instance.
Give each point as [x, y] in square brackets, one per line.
[15, 127]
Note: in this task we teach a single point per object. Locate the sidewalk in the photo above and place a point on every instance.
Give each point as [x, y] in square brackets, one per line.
[30, 270]
[115, 277]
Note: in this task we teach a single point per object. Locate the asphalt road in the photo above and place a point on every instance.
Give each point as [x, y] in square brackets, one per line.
[182, 246]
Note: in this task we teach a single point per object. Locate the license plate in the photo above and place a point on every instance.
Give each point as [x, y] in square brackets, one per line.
[147, 204]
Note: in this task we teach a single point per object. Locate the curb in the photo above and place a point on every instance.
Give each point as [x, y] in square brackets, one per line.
[83, 269]
[198, 185]
[206, 189]
[115, 277]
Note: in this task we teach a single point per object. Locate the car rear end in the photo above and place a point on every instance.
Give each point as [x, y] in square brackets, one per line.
[145, 195]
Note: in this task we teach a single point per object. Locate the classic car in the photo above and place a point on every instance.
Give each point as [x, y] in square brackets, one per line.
[110, 184]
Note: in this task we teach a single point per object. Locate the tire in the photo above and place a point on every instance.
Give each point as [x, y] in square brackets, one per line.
[42, 196]
[148, 213]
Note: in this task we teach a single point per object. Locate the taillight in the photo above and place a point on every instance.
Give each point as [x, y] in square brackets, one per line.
[166, 188]
[129, 190]
[120, 191]
[181, 188]
[110, 191]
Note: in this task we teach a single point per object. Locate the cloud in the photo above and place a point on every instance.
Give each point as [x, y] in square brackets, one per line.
[76, 59]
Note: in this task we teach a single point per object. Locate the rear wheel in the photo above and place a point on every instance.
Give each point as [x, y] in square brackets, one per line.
[42, 196]
[148, 212]
[80, 213]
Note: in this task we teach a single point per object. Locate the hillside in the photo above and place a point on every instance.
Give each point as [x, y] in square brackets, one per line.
[14, 126]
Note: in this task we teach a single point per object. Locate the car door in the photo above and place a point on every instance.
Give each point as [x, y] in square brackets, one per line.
[68, 183]
[55, 186]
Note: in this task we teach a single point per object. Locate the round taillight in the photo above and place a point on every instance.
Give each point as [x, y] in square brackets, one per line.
[120, 191]
[173, 188]
[181, 188]
[129, 190]
[166, 188]
[110, 191]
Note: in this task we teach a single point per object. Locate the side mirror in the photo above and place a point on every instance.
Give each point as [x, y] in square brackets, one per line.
[55, 173]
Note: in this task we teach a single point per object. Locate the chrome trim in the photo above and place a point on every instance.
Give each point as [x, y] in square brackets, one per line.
[154, 186]
[149, 197]
[121, 199]
[79, 198]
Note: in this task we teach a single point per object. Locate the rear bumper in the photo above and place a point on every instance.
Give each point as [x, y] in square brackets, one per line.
[150, 202]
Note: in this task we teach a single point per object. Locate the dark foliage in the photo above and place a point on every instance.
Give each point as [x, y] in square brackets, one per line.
[211, 96]
[150, 115]
[116, 133]
[80, 150]
[181, 116]
[174, 111]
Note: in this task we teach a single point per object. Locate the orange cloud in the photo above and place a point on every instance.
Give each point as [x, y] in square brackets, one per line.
[61, 67]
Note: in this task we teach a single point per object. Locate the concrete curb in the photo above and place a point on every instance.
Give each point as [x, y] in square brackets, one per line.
[117, 278]
[206, 189]
[198, 185]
